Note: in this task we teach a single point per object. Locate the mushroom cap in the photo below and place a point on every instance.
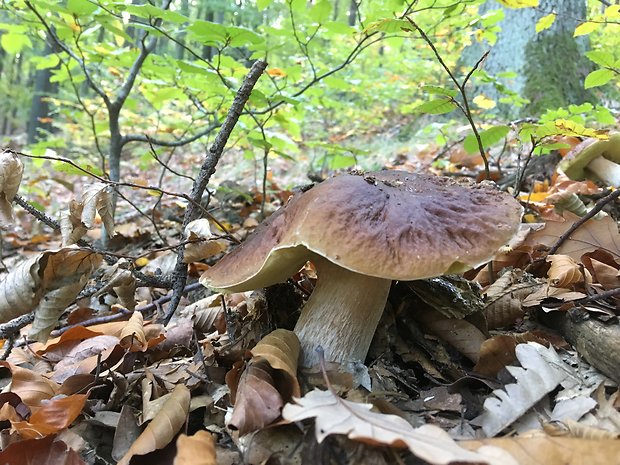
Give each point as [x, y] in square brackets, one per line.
[577, 160]
[389, 224]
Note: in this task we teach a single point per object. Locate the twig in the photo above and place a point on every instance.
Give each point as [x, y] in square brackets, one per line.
[206, 171]
[598, 206]
[11, 327]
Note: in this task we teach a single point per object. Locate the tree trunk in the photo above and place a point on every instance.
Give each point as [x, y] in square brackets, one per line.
[353, 12]
[550, 67]
[38, 119]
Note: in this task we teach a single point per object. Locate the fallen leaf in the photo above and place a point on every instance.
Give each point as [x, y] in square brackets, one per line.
[31, 387]
[11, 171]
[164, 427]
[96, 198]
[198, 449]
[51, 416]
[594, 234]
[257, 401]
[132, 336]
[48, 451]
[565, 271]
[334, 415]
[281, 349]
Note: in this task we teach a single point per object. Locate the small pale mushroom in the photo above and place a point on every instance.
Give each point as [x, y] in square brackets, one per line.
[361, 232]
[598, 157]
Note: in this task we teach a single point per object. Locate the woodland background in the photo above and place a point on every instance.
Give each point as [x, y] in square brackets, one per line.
[119, 108]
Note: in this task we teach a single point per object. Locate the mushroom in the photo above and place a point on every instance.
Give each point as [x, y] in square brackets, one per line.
[600, 157]
[361, 232]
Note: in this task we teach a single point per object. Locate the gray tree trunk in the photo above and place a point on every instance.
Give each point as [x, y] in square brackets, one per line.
[39, 107]
[550, 66]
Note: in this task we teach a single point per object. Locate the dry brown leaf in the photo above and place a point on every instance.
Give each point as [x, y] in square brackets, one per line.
[31, 387]
[23, 289]
[593, 234]
[541, 449]
[71, 227]
[207, 247]
[198, 449]
[124, 285]
[84, 357]
[11, 171]
[96, 198]
[48, 451]
[604, 269]
[334, 415]
[460, 334]
[132, 336]
[495, 354]
[257, 401]
[164, 426]
[205, 312]
[281, 349]
[51, 416]
[564, 272]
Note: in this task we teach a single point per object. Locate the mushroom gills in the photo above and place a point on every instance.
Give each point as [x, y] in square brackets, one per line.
[341, 315]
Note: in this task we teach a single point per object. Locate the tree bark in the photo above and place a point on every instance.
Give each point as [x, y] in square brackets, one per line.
[550, 66]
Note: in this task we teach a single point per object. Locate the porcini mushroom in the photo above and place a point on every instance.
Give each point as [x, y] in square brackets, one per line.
[361, 232]
[600, 157]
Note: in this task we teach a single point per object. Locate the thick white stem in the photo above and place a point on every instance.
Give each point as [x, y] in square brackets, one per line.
[606, 170]
[341, 315]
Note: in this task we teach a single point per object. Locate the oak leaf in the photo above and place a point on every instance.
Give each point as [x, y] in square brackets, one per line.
[334, 415]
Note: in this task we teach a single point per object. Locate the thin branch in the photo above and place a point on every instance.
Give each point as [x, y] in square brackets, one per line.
[206, 171]
[598, 206]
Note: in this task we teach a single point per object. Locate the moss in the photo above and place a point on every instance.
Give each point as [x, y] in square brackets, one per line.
[554, 73]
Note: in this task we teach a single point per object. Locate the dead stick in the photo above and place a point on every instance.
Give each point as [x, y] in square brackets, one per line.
[206, 171]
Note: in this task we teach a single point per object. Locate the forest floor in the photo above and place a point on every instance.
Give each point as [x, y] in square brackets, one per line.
[520, 358]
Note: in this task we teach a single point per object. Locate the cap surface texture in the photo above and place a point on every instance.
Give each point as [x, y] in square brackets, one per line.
[389, 224]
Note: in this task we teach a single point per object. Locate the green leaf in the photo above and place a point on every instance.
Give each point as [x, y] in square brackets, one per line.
[545, 22]
[46, 62]
[14, 43]
[437, 90]
[262, 4]
[438, 106]
[586, 28]
[337, 83]
[240, 36]
[81, 7]
[604, 116]
[488, 137]
[151, 11]
[389, 25]
[597, 78]
[321, 11]
[337, 27]
[601, 58]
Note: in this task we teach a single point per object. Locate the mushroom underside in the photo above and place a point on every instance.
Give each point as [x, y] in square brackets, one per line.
[606, 170]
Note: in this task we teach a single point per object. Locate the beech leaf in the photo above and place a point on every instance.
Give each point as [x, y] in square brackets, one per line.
[11, 171]
[48, 451]
[96, 198]
[132, 336]
[198, 449]
[52, 416]
[334, 415]
[281, 349]
[164, 427]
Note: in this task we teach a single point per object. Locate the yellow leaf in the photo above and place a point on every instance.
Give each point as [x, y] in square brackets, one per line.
[586, 28]
[484, 102]
[612, 12]
[519, 3]
[276, 72]
[142, 261]
[545, 22]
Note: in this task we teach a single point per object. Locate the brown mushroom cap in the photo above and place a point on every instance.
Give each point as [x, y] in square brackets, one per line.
[388, 224]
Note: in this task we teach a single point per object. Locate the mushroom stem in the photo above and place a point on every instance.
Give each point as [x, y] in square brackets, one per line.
[341, 315]
[606, 170]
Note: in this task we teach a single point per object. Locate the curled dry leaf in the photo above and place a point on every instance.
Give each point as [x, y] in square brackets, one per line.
[564, 272]
[22, 289]
[71, 227]
[208, 245]
[334, 415]
[11, 171]
[460, 334]
[84, 357]
[31, 387]
[281, 349]
[257, 401]
[162, 429]
[52, 416]
[132, 336]
[97, 198]
[124, 284]
[198, 449]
